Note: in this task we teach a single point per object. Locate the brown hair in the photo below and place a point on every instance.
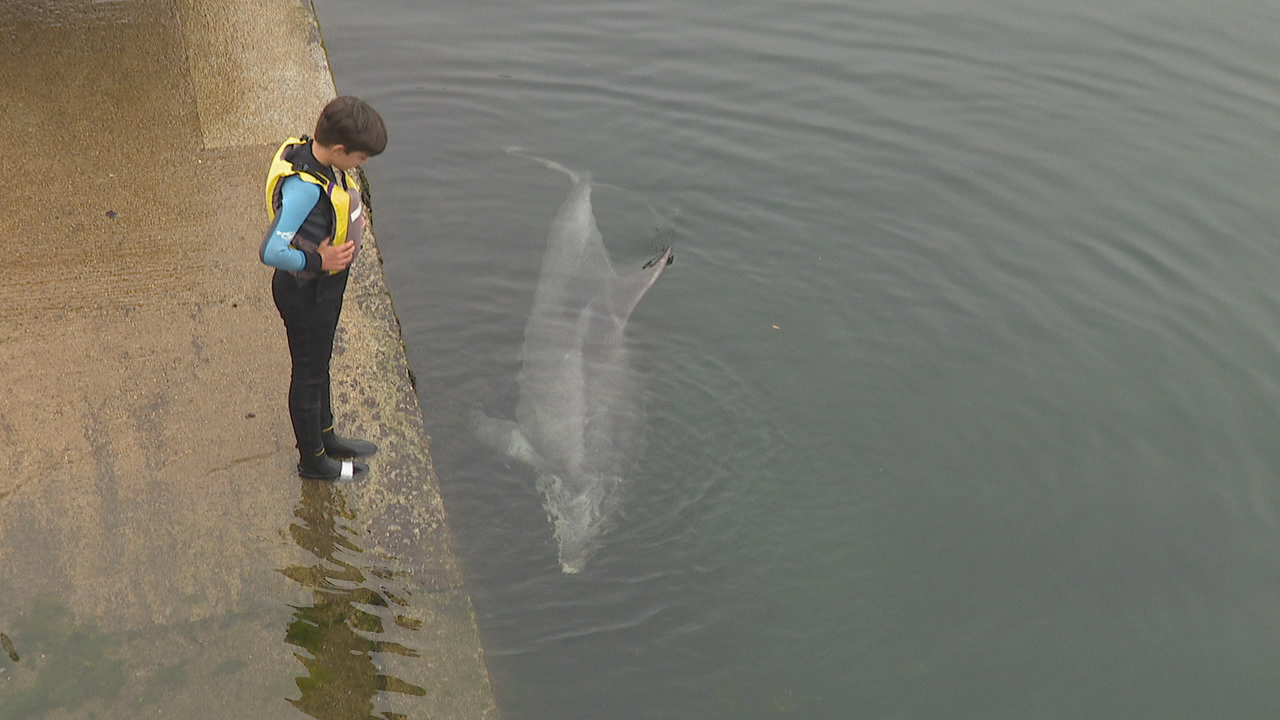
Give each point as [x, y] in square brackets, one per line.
[352, 123]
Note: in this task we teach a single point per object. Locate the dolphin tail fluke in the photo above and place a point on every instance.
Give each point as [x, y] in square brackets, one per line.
[628, 290]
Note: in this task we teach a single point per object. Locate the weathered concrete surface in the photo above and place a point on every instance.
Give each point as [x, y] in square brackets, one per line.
[159, 555]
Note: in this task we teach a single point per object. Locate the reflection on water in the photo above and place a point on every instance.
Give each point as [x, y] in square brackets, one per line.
[338, 633]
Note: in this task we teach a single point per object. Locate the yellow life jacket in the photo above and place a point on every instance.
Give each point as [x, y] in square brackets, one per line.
[348, 220]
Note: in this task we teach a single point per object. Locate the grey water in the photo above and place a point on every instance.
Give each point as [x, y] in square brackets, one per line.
[962, 391]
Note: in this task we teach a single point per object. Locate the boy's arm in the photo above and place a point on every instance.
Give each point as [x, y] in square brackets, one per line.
[297, 197]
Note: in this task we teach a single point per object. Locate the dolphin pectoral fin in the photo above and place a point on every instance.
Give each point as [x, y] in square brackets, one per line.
[503, 436]
[520, 449]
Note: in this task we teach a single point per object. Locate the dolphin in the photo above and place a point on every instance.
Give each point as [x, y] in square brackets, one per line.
[579, 417]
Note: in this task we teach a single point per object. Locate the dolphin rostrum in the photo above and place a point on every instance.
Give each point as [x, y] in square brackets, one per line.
[579, 418]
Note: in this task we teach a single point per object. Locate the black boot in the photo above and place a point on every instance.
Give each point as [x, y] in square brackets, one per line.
[341, 447]
[323, 467]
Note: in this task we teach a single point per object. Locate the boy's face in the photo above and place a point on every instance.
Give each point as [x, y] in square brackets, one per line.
[344, 160]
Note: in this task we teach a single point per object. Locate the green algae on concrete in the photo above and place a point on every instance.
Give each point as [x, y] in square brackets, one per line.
[371, 634]
[69, 663]
[73, 666]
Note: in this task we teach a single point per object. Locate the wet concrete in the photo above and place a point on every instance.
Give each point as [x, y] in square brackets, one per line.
[158, 553]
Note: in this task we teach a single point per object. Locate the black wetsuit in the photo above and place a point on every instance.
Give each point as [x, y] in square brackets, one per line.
[310, 303]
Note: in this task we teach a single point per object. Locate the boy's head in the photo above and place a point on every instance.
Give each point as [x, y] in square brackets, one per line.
[354, 125]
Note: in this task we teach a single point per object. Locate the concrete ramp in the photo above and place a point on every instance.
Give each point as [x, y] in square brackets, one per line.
[159, 555]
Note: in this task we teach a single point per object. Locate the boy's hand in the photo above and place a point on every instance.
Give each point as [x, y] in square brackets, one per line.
[335, 258]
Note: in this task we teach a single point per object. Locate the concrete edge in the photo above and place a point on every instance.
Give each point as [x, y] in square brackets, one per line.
[400, 504]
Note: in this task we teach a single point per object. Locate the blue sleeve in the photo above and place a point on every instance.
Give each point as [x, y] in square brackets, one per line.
[297, 197]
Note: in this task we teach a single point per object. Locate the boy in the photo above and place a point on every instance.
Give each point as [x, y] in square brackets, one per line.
[317, 223]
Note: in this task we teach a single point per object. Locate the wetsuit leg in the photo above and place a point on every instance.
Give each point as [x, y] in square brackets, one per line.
[310, 315]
